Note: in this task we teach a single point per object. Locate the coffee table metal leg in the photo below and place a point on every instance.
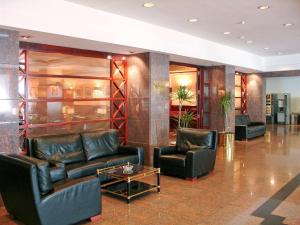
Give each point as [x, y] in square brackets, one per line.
[128, 191]
[158, 182]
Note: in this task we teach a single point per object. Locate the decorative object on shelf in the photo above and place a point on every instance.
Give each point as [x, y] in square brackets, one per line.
[183, 94]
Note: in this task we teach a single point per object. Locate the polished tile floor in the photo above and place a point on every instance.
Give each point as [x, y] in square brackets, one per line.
[251, 184]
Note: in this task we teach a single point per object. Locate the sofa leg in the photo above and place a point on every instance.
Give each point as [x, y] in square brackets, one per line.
[95, 218]
[193, 179]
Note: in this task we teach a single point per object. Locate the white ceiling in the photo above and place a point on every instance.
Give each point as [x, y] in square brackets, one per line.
[264, 27]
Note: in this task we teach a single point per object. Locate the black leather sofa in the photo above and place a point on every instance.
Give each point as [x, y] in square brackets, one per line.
[194, 154]
[79, 155]
[30, 196]
[246, 129]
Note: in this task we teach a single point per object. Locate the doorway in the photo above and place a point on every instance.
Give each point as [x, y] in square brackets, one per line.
[196, 80]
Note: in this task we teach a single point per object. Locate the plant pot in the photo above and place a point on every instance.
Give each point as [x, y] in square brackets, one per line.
[225, 139]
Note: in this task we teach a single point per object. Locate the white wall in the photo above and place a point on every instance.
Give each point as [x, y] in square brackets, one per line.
[286, 85]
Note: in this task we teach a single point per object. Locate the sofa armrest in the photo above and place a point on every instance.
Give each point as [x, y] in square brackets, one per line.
[257, 123]
[240, 132]
[78, 199]
[163, 150]
[198, 162]
[133, 150]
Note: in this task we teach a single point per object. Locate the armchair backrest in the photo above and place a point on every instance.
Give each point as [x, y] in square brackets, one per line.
[189, 137]
[242, 119]
[20, 188]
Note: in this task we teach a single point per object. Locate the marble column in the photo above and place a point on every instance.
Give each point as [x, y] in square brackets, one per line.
[148, 101]
[256, 97]
[9, 63]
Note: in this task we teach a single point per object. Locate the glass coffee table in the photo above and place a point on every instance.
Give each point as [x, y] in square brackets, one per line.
[128, 184]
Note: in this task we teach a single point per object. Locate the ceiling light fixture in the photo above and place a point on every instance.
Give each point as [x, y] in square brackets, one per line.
[263, 7]
[266, 48]
[123, 58]
[288, 24]
[109, 57]
[148, 4]
[192, 20]
[226, 33]
[242, 22]
[249, 42]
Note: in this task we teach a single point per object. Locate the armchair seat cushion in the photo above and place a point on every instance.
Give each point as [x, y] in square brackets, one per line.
[173, 160]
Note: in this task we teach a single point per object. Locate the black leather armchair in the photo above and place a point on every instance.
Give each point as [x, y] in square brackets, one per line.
[30, 196]
[194, 154]
[247, 129]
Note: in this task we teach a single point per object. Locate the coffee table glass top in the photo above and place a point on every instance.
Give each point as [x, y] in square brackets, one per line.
[120, 173]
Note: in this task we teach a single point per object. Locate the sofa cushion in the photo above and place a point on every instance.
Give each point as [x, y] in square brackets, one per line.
[64, 148]
[188, 139]
[256, 129]
[242, 120]
[100, 143]
[78, 170]
[83, 169]
[43, 172]
[174, 160]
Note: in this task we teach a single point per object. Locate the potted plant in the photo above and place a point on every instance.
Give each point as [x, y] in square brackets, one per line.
[226, 138]
[183, 94]
[187, 118]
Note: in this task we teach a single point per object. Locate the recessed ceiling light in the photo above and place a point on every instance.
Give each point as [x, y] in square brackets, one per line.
[242, 22]
[192, 20]
[242, 37]
[249, 42]
[288, 24]
[263, 7]
[148, 4]
[227, 32]
[123, 58]
[266, 48]
[109, 57]
[25, 37]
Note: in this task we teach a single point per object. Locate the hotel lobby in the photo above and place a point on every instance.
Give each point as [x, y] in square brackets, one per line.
[159, 112]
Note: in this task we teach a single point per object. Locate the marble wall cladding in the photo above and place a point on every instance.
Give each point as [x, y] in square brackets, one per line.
[9, 60]
[230, 86]
[9, 45]
[256, 97]
[138, 98]
[8, 81]
[217, 85]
